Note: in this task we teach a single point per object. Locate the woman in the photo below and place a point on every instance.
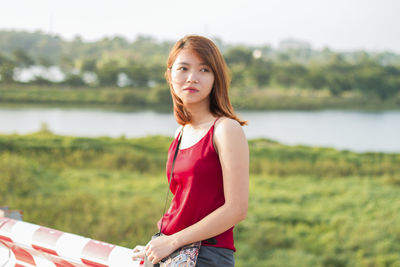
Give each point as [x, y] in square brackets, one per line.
[211, 173]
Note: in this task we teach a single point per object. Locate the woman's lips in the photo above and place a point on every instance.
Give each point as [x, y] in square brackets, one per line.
[191, 89]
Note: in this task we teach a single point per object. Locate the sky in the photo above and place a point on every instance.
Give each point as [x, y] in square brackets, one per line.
[342, 25]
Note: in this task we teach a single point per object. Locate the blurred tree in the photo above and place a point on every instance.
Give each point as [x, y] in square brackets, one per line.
[7, 72]
[339, 83]
[238, 75]
[88, 64]
[107, 73]
[22, 59]
[67, 63]
[340, 75]
[377, 80]
[4, 59]
[315, 78]
[289, 74]
[45, 61]
[284, 57]
[260, 71]
[35, 44]
[119, 42]
[138, 73]
[74, 80]
[144, 63]
[77, 39]
[239, 55]
[42, 81]
[160, 95]
[156, 73]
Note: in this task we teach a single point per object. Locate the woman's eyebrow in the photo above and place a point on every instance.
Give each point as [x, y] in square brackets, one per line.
[185, 63]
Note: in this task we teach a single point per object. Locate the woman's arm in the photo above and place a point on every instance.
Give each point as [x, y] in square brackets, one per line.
[233, 152]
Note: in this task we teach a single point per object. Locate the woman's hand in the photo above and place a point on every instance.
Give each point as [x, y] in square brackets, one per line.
[160, 247]
[138, 253]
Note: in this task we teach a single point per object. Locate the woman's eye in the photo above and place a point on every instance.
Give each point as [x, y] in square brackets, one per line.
[182, 68]
[205, 70]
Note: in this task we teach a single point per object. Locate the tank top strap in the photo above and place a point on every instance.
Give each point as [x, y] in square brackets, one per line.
[215, 121]
[211, 131]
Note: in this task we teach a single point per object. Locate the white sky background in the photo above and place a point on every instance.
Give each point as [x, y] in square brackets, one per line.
[342, 25]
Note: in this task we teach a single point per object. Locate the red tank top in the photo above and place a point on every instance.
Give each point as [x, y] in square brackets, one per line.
[197, 186]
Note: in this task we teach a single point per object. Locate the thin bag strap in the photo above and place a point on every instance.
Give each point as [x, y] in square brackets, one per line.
[170, 177]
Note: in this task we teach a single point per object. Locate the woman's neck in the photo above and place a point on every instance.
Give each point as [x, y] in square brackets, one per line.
[201, 114]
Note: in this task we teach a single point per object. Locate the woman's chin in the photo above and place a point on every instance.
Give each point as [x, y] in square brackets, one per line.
[193, 102]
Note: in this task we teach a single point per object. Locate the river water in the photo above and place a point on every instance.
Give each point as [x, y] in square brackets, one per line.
[351, 130]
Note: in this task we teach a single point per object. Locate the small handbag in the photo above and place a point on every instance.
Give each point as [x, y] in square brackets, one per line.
[182, 257]
[187, 255]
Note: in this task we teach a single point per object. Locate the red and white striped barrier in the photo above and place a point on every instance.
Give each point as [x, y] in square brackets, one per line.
[24, 244]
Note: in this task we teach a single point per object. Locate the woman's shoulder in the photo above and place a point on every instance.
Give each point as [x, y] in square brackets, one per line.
[228, 129]
[227, 124]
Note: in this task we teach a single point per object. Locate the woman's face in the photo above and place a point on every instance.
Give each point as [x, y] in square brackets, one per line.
[192, 80]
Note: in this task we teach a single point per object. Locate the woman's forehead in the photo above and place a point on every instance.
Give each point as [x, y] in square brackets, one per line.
[189, 57]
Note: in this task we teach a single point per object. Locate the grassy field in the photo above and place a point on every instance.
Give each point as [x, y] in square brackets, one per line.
[159, 98]
[308, 206]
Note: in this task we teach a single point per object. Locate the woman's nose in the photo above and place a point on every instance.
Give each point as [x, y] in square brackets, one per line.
[192, 78]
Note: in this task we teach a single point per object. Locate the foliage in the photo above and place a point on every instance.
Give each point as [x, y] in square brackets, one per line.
[7, 72]
[339, 209]
[142, 61]
[147, 155]
[132, 98]
[159, 98]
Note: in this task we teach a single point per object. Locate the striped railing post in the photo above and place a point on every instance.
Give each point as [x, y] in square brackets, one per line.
[24, 244]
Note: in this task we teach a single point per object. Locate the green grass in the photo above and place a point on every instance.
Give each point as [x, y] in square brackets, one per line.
[148, 155]
[344, 213]
[348, 221]
[159, 98]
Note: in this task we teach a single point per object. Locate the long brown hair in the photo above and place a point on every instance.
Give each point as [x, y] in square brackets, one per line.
[220, 104]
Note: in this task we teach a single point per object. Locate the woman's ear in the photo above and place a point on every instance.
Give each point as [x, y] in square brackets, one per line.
[167, 76]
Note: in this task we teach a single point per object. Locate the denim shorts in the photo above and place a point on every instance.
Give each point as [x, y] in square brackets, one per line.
[215, 257]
